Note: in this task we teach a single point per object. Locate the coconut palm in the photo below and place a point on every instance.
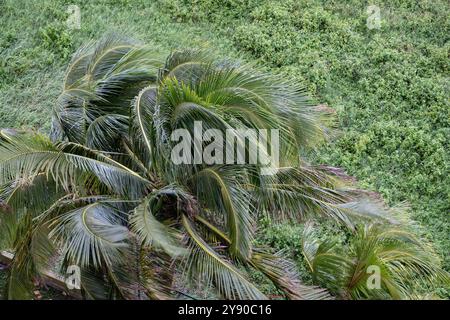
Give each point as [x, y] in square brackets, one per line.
[102, 191]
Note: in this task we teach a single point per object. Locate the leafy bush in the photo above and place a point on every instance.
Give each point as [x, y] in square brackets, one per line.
[56, 38]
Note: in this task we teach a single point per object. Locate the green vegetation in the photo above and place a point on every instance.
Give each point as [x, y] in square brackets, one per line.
[389, 87]
[106, 194]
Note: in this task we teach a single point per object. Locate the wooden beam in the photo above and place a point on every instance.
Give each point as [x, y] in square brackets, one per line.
[6, 257]
[49, 278]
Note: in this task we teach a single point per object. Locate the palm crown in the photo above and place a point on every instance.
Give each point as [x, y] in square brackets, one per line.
[102, 192]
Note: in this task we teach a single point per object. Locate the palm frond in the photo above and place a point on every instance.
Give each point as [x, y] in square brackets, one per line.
[92, 235]
[299, 193]
[22, 269]
[186, 65]
[142, 128]
[284, 275]
[104, 132]
[204, 262]
[328, 268]
[28, 156]
[150, 231]
[102, 79]
[222, 192]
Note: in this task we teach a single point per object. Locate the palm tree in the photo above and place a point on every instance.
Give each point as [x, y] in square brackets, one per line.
[102, 192]
[396, 254]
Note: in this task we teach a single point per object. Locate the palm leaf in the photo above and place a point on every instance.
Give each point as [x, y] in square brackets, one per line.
[29, 156]
[284, 275]
[222, 192]
[92, 235]
[212, 268]
[152, 232]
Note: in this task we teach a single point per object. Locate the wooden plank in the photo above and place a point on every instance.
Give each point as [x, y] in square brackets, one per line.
[6, 257]
[49, 278]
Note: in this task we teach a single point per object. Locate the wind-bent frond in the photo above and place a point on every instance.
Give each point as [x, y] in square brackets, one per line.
[327, 267]
[22, 269]
[283, 274]
[244, 96]
[9, 225]
[91, 235]
[28, 156]
[222, 192]
[205, 263]
[33, 193]
[300, 193]
[186, 65]
[152, 232]
[104, 132]
[279, 270]
[101, 80]
[294, 193]
[142, 127]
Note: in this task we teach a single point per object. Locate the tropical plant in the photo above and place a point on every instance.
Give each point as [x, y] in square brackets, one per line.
[391, 258]
[102, 192]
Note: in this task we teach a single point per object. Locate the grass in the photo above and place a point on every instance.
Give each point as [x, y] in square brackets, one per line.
[36, 45]
[388, 86]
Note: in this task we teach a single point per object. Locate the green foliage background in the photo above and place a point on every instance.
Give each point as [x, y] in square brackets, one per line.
[388, 86]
